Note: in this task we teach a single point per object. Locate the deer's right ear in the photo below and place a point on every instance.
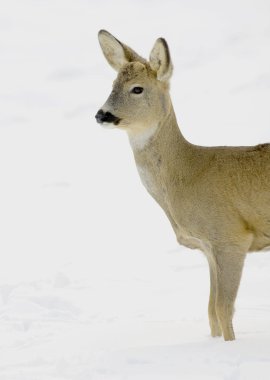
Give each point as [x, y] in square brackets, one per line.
[117, 53]
[113, 49]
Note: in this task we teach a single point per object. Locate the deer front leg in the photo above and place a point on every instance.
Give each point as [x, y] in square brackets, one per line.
[229, 270]
[213, 320]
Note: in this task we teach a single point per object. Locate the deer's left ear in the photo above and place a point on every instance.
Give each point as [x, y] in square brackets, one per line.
[160, 60]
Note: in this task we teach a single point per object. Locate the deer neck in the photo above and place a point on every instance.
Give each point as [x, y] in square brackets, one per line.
[162, 150]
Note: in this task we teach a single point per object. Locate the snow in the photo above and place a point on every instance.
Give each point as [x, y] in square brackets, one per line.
[92, 283]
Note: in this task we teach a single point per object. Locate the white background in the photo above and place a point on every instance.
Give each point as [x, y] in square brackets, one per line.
[92, 283]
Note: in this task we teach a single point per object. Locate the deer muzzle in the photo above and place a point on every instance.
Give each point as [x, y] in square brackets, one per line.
[106, 117]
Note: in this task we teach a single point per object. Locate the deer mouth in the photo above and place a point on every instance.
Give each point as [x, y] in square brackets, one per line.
[107, 118]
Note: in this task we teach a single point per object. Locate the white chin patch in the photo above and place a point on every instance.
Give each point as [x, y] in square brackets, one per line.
[108, 125]
[140, 139]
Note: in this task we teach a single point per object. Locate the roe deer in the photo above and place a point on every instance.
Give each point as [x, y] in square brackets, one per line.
[216, 198]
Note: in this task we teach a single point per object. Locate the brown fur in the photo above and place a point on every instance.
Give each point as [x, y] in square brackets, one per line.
[216, 198]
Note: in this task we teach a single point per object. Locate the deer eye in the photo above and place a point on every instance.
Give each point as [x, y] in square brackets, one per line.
[137, 90]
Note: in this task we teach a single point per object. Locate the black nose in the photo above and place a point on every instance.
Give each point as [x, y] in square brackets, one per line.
[107, 117]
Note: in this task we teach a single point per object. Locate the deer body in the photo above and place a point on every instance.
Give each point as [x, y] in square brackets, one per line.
[216, 198]
[204, 203]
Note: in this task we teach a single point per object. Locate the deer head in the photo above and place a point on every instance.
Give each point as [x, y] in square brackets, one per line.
[140, 98]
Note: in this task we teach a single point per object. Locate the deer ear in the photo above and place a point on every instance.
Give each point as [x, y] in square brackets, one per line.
[116, 53]
[160, 60]
[112, 49]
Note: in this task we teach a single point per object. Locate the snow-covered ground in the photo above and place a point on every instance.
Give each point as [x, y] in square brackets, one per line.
[92, 283]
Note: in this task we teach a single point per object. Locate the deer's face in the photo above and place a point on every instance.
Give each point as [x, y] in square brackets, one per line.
[140, 97]
[137, 101]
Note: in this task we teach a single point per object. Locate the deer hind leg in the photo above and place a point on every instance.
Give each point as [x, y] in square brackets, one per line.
[229, 266]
